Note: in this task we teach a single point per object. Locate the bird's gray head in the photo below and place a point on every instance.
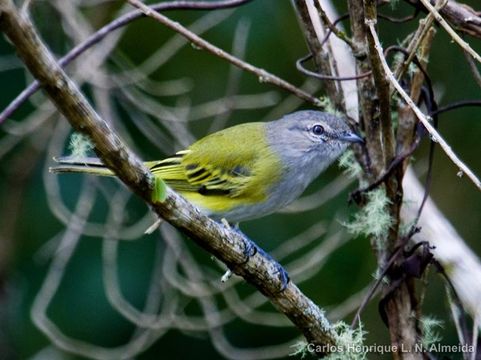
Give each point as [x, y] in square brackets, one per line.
[313, 138]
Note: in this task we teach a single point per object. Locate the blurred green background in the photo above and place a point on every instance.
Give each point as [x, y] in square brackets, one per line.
[275, 42]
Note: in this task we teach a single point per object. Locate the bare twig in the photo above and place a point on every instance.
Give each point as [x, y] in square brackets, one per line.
[302, 69]
[399, 20]
[421, 32]
[313, 33]
[456, 105]
[262, 74]
[473, 67]
[460, 15]
[331, 26]
[450, 30]
[109, 28]
[435, 136]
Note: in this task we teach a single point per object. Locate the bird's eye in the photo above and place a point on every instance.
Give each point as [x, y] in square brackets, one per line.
[317, 129]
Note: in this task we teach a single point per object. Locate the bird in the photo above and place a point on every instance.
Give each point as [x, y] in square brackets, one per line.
[246, 171]
[249, 170]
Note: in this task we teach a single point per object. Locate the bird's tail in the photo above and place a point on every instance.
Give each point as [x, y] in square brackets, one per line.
[85, 165]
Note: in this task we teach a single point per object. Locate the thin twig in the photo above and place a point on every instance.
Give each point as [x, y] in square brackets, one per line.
[334, 23]
[418, 37]
[450, 30]
[314, 30]
[331, 26]
[399, 20]
[109, 28]
[456, 105]
[419, 114]
[302, 69]
[372, 290]
[398, 160]
[262, 74]
[473, 68]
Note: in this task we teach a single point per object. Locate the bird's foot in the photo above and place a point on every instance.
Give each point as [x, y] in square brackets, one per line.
[250, 249]
[278, 269]
[283, 276]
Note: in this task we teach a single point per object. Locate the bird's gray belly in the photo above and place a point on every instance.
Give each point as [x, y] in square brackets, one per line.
[281, 194]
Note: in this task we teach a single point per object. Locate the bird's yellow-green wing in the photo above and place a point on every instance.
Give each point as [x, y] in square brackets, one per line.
[219, 171]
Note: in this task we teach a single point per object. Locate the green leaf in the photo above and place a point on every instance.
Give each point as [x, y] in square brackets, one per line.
[159, 193]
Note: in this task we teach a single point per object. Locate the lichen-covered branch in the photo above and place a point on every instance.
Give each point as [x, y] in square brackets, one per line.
[375, 101]
[221, 241]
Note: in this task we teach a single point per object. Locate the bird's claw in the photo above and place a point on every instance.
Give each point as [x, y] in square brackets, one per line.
[250, 249]
[279, 270]
[283, 276]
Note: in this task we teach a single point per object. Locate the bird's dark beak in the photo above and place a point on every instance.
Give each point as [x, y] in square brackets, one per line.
[351, 137]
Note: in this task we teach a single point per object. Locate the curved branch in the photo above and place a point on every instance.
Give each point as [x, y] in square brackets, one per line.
[314, 31]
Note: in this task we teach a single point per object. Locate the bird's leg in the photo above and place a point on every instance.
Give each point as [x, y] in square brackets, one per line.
[228, 274]
[279, 269]
[250, 249]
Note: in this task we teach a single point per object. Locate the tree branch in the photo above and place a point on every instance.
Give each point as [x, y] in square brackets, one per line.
[262, 75]
[382, 87]
[419, 114]
[461, 16]
[261, 271]
[134, 15]
[367, 94]
[313, 32]
[450, 31]
[401, 302]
